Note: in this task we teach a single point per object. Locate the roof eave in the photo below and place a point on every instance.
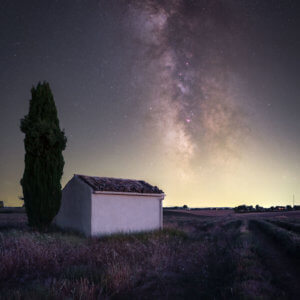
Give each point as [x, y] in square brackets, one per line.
[129, 193]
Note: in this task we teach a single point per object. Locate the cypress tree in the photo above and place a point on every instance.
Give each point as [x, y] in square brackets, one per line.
[44, 162]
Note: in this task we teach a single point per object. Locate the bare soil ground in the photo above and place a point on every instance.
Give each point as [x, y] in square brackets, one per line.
[199, 255]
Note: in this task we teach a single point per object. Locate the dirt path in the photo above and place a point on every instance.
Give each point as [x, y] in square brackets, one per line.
[285, 271]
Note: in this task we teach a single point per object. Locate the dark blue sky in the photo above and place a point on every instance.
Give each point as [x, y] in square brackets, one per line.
[198, 97]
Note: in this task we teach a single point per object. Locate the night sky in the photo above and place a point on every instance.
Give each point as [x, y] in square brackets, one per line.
[199, 97]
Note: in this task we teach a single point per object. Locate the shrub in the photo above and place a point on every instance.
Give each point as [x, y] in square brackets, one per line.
[289, 241]
[286, 225]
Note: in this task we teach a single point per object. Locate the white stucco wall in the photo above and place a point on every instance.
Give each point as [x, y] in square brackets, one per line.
[117, 212]
[75, 210]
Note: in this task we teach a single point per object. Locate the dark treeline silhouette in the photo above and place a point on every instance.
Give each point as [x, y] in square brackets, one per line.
[257, 208]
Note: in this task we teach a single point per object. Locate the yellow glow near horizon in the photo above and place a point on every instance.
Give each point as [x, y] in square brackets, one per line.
[249, 180]
[257, 174]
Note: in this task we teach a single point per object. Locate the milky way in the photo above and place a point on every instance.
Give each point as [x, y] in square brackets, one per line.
[186, 49]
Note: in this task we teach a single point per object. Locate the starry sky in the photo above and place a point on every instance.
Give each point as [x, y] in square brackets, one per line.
[200, 98]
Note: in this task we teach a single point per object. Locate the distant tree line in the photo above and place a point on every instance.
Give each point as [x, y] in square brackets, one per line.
[178, 207]
[257, 208]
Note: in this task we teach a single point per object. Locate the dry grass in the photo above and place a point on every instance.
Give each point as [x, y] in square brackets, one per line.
[193, 257]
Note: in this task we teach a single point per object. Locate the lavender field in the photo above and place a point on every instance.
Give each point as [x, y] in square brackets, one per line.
[195, 256]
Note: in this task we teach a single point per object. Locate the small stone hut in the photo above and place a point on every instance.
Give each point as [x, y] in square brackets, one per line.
[102, 205]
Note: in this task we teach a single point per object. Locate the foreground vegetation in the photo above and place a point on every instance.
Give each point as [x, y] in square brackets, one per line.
[193, 257]
[288, 240]
[294, 227]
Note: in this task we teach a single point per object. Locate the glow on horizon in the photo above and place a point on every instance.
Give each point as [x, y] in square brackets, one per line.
[254, 178]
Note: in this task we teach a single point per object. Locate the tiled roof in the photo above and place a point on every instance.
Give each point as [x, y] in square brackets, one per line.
[119, 185]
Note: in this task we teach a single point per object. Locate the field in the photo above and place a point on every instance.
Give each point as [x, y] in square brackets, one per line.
[198, 255]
